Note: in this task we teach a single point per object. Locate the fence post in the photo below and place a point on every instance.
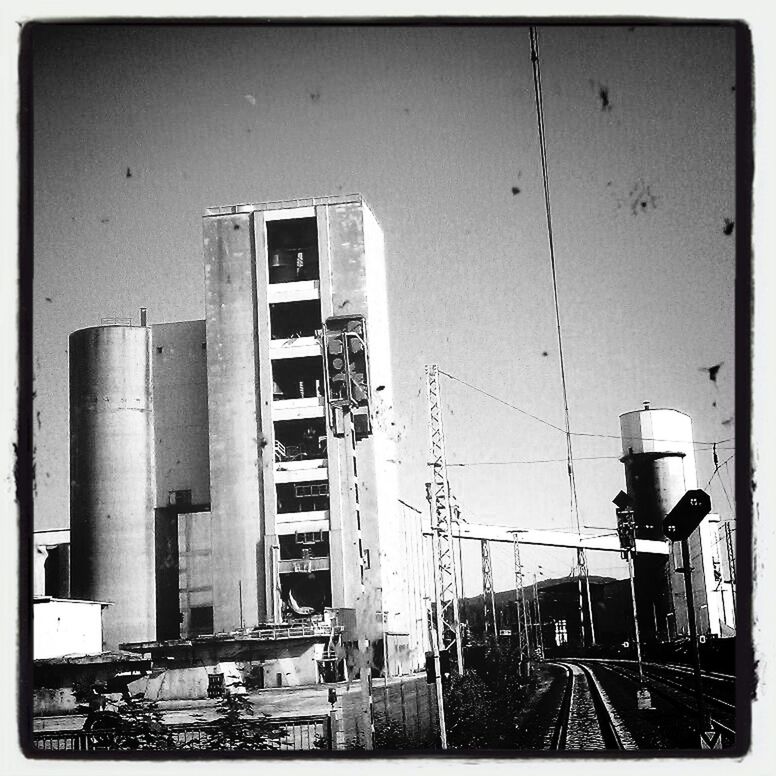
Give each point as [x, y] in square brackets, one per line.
[417, 710]
[403, 709]
[433, 711]
[336, 726]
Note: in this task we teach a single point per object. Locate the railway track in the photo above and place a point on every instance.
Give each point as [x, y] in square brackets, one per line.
[586, 720]
[676, 684]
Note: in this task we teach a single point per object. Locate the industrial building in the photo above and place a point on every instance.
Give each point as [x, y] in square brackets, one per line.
[233, 485]
[659, 459]
[237, 474]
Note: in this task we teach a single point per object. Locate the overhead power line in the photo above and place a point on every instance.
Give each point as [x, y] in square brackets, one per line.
[716, 470]
[579, 433]
[536, 460]
[501, 401]
[537, 79]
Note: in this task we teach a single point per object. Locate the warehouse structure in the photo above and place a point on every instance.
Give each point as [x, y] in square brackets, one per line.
[237, 473]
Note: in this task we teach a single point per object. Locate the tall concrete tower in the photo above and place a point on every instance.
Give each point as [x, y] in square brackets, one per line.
[659, 460]
[304, 497]
[112, 477]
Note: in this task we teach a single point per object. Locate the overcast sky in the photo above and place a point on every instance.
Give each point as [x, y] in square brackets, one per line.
[436, 128]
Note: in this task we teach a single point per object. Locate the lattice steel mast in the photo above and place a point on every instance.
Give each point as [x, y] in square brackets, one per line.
[447, 617]
[488, 595]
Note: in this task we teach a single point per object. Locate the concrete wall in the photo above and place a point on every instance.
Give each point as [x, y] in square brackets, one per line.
[234, 437]
[408, 702]
[62, 627]
[180, 410]
[48, 702]
[112, 477]
[344, 256]
[195, 565]
[284, 664]
[383, 495]
[413, 584]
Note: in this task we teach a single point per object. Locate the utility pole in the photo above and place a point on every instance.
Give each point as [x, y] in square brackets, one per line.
[521, 594]
[455, 512]
[384, 620]
[643, 697]
[364, 613]
[434, 626]
[488, 596]
[540, 640]
[583, 558]
[687, 572]
[731, 565]
[447, 615]
[580, 603]
[518, 591]
[439, 691]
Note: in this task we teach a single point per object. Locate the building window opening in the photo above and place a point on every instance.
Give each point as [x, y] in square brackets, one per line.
[201, 620]
[305, 594]
[292, 249]
[561, 633]
[303, 545]
[289, 320]
[215, 685]
[297, 378]
[302, 497]
[300, 440]
[179, 498]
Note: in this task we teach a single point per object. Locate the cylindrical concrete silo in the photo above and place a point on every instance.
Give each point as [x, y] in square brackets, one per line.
[659, 463]
[112, 478]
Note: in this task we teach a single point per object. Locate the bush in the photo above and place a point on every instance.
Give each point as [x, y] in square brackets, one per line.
[484, 706]
[237, 728]
[391, 735]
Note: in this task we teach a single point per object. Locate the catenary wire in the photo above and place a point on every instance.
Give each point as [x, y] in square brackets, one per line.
[576, 433]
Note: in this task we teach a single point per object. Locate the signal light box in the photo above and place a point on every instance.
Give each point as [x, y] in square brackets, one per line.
[687, 515]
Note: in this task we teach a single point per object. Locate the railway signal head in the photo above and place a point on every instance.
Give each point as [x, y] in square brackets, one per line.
[336, 369]
[626, 523]
[686, 516]
[444, 664]
[622, 501]
[346, 365]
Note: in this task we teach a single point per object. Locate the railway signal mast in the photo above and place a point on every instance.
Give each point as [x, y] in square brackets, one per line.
[626, 530]
[678, 524]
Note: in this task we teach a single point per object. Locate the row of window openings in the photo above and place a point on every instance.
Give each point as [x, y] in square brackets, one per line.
[292, 250]
[302, 497]
[297, 378]
[300, 440]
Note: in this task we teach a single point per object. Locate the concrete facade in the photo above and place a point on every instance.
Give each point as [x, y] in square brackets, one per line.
[267, 380]
[249, 499]
[179, 365]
